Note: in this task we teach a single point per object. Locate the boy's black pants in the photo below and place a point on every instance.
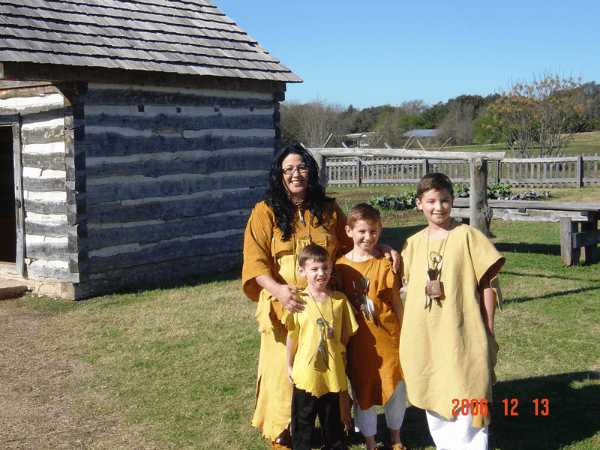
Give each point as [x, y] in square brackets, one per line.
[305, 409]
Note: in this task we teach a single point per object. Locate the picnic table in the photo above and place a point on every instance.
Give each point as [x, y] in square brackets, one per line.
[579, 234]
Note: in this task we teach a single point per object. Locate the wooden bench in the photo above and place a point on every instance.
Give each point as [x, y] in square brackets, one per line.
[579, 234]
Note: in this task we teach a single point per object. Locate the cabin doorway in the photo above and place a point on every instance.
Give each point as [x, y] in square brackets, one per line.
[8, 219]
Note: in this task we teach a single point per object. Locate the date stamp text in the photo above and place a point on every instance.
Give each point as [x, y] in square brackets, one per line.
[541, 407]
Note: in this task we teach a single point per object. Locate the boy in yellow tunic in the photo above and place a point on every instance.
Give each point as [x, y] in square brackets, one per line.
[447, 347]
[367, 280]
[317, 370]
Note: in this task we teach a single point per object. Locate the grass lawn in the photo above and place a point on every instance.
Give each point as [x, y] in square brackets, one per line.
[179, 361]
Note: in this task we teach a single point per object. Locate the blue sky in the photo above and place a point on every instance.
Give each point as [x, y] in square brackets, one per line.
[377, 52]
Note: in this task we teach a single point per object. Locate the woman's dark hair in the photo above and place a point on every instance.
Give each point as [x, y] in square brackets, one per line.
[278, 199]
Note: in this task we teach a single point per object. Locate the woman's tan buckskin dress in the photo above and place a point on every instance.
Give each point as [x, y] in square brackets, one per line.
[265, 253]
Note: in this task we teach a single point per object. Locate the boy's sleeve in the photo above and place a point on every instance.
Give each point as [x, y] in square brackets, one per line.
[343, 285]
[349, 323]
[484, 255]
[486, 260]
[290, 320]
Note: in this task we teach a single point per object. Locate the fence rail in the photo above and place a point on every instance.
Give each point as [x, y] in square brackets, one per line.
[531, 172]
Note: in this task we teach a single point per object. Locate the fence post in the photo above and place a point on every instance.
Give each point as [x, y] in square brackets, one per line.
[579, 171]
[589, 253]
[568, 254]
[479, 212]
[425, 167]
[359, 170]
[497, 164]
[322, 163]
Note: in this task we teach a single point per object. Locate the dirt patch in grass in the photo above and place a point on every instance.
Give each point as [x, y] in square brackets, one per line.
[46, 400]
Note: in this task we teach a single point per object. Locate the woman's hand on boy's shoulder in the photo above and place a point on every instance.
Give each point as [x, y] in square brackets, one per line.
[288, 296]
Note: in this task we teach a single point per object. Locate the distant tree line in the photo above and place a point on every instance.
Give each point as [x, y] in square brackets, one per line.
[532, 118]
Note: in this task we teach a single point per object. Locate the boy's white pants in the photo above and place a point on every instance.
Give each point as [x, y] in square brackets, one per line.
[456, 434]
[394, 410]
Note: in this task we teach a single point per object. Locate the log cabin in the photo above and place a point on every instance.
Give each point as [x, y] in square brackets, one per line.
[135, 137]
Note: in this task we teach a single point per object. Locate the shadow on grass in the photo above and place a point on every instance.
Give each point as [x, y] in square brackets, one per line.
[524, 247]
[395, 237]
[545, 277]
[230, 275]
[554, 294]
[573, 411]
[573, 415]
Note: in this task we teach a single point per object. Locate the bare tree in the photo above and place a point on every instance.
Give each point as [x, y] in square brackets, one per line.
[389, 126]
[313, 124]
[458, 124]
[414, 107]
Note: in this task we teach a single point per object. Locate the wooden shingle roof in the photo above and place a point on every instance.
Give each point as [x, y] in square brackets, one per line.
[187, 37]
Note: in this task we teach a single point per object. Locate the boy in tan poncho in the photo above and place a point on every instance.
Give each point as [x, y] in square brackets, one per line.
[447, 345]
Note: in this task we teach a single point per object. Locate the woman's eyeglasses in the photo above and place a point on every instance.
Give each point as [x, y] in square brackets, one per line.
[289, 170]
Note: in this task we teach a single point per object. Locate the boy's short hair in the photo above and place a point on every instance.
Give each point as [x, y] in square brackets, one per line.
[313, 251]
[435, 180]
[366, 212]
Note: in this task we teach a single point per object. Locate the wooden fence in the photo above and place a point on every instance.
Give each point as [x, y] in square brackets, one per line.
[574, 171]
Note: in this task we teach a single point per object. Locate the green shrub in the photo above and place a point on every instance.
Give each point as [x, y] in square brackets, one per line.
[461, 191]
[494, 191]
[398, 202]
[402, 202]
[497, 190]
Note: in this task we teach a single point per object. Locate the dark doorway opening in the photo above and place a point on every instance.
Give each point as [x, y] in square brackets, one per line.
[8, 221]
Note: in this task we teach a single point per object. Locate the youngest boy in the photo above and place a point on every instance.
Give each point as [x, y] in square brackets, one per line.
[373, 362]
[317, 370]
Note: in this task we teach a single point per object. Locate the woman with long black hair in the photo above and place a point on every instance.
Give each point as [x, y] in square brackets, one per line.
[295, 213]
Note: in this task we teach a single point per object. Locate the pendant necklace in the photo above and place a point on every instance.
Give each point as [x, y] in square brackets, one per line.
[361, 300]
[434, 288]
[324, 329]
[323, 324]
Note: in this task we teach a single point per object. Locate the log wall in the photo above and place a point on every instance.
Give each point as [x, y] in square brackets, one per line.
[171, 177]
